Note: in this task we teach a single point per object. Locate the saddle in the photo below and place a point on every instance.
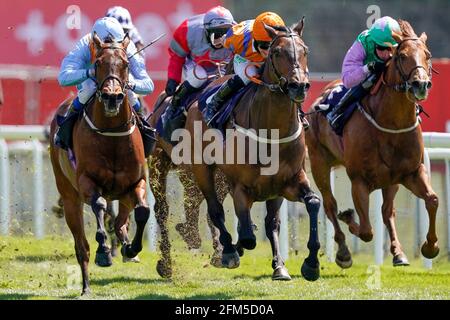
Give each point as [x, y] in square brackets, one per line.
[330, 101]
[223, 115]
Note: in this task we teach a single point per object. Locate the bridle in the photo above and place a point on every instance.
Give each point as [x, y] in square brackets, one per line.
[405, 85]
[281, 81]
[123, 129]
[123, 84]
[279, 86]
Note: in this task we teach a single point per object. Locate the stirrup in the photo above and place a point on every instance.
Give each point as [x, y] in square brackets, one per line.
[210, 119]
[335, 120]
[305, 123]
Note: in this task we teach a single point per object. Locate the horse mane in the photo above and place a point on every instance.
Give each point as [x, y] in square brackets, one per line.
[407, 30]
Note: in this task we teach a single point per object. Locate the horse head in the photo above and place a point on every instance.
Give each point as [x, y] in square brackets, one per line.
[111, 73]
[410, 64]
[287, 60]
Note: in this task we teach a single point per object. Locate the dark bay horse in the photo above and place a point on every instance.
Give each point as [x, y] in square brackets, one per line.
[381, 147]
[272, 106]
[110, 162]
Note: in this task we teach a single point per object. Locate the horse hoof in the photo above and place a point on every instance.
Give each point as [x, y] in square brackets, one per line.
[346, 216]
[344, 263]
[216, 260]
[310, 273]
[114, 252]
[103, 259]
[400, 260]
[58, 211]
[248, 244]
[163, 269]
[428, 251]
[192, 238]
[128, 252]
[281, 274]
[344, 257]
[135, 259]
[239, 249]
[230, 260]
[86, 291]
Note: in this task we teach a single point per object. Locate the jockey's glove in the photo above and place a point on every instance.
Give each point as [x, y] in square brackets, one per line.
[171, 87]
[376, 67]
[90, 73]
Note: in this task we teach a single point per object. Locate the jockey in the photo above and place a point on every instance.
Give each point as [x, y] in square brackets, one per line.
[197, 38]
[123, 16]
[250, 43]
[364, 63]
[77, 68]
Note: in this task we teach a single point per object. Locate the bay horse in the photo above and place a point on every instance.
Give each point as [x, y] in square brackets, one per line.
[380, 148]
[272, 105]
[110, 161]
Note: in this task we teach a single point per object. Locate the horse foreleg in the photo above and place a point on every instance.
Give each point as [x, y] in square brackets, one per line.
[300, 190]
[90, 192]
[419, 184]
[272, 225]
[74, 219]
[388, 212]
[360, 195]
[321, 173]
[242, 204]
[205, 180]
[121, 223]
[110, 217]
[311, 267]
[141, 215]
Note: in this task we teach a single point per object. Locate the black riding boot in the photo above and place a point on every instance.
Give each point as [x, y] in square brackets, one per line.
[148, 133]
[63, 137]
[353, 95]
[224, 93]
[168, 121]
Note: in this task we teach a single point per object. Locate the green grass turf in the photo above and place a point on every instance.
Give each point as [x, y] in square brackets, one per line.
[42, 269]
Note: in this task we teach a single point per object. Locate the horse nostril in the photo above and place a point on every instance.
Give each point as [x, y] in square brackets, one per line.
[416, 84]
[307, 85]
[105, 96]
[429, 84]
[120, 96]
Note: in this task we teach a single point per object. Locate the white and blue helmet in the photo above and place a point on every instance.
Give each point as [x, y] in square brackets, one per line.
[108, 27]
[122, 15]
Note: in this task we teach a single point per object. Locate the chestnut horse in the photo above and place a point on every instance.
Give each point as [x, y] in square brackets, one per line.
[381, 147]
[271, 106]
[110, 162]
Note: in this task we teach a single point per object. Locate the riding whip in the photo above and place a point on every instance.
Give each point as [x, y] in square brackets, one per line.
[152, 42]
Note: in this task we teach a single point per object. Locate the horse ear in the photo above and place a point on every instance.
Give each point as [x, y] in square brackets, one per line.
[270, 31]
[97, 41]
[423, 37]
[299, 27]
[397, 37]
[126, 41]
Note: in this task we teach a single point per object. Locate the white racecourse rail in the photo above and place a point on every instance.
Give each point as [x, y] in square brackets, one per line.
[30, 139]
